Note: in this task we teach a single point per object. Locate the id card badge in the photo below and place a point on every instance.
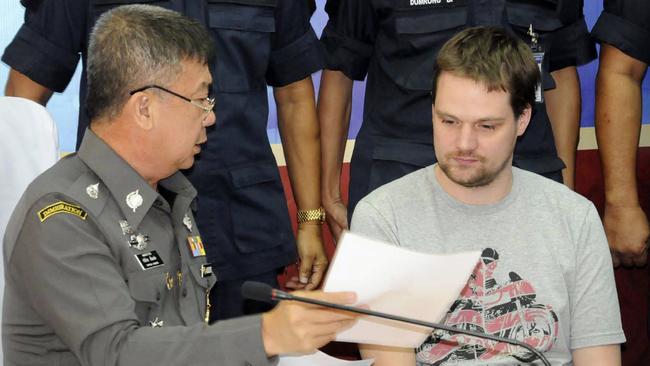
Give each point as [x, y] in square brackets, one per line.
[539, 58]
[538, 55]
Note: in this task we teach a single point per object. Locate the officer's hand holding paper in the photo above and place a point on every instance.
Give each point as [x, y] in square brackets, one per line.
[396, 281]
[295, 328]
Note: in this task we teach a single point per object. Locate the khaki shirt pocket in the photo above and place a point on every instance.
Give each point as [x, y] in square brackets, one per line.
[147, 289]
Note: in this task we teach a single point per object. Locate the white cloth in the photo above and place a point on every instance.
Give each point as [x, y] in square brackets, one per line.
[28, 146]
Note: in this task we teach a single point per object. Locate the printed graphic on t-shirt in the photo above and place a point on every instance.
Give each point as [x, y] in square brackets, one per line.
[503, 309]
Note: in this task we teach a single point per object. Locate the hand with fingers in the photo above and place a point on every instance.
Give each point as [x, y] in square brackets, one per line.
[294, 327]
[313, 259]
[627, 233]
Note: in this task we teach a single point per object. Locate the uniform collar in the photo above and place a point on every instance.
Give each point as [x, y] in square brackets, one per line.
[132, 193]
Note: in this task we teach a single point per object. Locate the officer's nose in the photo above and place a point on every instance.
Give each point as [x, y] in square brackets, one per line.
[210, 119]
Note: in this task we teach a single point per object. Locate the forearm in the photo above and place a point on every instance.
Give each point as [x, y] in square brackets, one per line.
[609, 355]
[301, 141]
[388, 356]
[19, 85]
[563, 105]
[618, 123]
[334, 108]
[238, 340]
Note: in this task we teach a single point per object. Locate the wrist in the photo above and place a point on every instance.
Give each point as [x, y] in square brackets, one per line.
[315, 216]
[310, 225]
[621, 195]
[330, 193]
[628, 202]
[267, 338]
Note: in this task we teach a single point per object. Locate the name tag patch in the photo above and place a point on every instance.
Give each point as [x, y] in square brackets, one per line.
[206, 270]
[149, 260]
[433, 3]
[61, 207]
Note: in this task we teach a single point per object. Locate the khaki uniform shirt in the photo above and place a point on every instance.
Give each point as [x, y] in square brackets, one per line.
[103, 270]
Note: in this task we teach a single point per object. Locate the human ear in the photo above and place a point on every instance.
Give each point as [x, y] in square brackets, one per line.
[523, 120]
[141, 107]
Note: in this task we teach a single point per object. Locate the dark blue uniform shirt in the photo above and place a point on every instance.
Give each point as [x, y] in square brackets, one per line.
[625, 24]
[394, 43]
[242, 210]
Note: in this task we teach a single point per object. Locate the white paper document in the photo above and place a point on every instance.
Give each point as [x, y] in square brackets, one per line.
[397, 281]
[319, 358]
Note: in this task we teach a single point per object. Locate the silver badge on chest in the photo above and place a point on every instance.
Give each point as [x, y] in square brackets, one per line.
[138, 241]
[93, 191]
[126, 228]
[187, 222]
[134, 200]
[157, 323]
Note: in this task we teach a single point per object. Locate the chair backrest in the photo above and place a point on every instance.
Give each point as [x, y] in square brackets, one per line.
[29, 145]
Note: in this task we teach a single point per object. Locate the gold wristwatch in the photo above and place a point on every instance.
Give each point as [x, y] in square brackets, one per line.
[311, 215]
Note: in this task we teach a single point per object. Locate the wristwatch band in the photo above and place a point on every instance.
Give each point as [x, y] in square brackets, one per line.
[311, 215]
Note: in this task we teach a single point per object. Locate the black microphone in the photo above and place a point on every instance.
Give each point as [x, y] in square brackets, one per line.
[263, 292]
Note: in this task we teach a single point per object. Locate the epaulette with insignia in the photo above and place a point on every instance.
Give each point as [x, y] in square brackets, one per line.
[61, 207]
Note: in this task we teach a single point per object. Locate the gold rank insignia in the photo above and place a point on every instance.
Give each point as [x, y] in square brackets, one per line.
[169, 281]
[61, 207]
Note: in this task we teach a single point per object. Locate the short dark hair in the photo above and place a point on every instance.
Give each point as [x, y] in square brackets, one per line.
[495, 57]
[136, 45]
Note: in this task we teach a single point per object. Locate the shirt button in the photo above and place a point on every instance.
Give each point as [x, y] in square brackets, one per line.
[184, 293]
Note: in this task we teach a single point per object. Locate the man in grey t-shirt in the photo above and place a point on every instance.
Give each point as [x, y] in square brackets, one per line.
[545, 276]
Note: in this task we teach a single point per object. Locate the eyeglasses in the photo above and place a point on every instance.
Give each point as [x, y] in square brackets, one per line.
[207, 104]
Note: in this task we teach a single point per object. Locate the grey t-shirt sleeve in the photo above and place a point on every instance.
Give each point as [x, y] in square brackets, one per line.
[595, 313]
[367, 220]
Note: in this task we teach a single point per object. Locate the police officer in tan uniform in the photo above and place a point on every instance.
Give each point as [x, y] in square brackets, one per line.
[104, 261]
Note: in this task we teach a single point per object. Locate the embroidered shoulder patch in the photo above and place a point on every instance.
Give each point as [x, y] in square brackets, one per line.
[61, 207]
